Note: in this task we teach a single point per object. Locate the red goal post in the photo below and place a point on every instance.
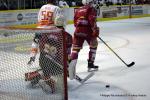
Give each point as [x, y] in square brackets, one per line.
[11, 38]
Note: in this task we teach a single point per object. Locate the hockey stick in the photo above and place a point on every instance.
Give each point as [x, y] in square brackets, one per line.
[128, 65]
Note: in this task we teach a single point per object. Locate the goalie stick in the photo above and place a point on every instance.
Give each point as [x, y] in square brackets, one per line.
[80, 80]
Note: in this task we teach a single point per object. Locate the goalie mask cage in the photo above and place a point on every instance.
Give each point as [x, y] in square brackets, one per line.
[15, 45]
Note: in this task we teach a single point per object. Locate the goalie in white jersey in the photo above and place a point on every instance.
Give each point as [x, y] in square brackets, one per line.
[47, 14]
[46, 18]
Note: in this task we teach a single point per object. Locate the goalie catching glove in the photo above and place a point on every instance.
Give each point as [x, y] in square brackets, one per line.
[95, 32]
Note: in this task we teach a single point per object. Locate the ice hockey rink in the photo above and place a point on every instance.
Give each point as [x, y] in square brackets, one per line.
[129, 38]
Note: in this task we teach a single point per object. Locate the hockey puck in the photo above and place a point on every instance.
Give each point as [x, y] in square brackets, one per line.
[107, 86]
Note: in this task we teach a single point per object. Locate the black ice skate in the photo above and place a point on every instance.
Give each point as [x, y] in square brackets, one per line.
[92, 67]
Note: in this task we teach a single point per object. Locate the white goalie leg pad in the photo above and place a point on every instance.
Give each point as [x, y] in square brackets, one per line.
[72, 69]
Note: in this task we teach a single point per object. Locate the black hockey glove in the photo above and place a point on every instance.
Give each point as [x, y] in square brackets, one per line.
[32, 59]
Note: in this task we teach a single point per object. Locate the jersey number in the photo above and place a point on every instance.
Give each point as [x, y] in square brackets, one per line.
[47, 16]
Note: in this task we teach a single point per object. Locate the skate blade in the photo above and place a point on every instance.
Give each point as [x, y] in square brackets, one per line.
[92, 69]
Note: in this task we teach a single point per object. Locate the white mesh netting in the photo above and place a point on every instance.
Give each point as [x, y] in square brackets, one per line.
[15, 45]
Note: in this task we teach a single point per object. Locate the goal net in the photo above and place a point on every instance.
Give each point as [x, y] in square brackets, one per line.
[15, 45]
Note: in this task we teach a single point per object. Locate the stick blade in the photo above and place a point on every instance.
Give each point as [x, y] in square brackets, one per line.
[80, 80]
[87, 77]
[131, 64]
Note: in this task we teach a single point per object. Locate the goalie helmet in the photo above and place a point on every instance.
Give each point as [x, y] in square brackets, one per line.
[85, 2]
[59, 21]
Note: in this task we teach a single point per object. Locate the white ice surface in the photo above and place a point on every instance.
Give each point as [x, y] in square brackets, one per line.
[129, 38]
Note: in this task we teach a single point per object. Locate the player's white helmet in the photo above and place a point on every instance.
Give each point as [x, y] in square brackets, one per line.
[85, 2]
[59, 21]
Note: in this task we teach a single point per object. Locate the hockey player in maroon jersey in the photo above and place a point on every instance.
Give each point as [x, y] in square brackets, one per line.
[49, 55]
[85, 30]
[49, 48]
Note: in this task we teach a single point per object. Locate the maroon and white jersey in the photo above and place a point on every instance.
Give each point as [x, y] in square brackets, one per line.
[85, 20]
[47, 15]
[49, 42]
